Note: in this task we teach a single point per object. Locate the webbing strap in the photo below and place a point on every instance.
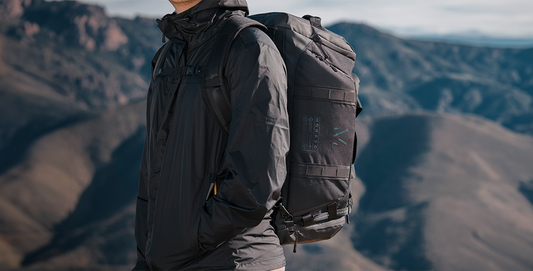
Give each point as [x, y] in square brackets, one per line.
[331, 213]
[180, 71]
[320, 170]
[325, 93]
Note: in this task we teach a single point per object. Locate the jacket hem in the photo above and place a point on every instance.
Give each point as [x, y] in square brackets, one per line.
[270, 264]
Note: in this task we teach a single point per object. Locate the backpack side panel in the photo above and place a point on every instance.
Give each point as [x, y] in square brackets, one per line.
[322, 109]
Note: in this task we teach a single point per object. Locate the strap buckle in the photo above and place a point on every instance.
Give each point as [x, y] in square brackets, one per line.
[190, 70]
[288, 219]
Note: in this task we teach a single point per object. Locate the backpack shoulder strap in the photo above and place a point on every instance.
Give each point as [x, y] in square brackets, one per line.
[216, 91]
[159, 62]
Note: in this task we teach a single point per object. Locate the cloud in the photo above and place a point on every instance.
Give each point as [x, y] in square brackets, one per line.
[503, 18]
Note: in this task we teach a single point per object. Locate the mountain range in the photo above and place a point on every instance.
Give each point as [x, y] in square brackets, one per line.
[444, 166]
[407, 75]
[475, 38]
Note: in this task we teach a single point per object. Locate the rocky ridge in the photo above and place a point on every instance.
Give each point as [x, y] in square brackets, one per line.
[439, 177]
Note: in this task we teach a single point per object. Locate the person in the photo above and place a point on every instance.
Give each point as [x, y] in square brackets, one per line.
[181, 223]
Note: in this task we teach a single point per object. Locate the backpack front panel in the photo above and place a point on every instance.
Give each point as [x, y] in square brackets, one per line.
[323, 107]
[322, 128]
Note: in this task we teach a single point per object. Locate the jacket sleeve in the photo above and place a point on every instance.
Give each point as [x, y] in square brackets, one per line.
[142, 197]
[258, 142]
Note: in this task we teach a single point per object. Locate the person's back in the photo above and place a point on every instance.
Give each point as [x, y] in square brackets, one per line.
[181, 222]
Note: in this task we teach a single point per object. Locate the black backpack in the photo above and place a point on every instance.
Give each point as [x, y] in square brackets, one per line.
[322, 104]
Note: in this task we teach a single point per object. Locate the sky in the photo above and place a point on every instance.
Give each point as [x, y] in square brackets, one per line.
[494, 18]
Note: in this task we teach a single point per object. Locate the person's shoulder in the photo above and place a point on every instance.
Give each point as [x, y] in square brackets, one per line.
[159, 52]
[252, 37]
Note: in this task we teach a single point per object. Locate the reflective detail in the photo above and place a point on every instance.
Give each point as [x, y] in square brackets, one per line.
[340, 140]
[310, 134]
[336, 135]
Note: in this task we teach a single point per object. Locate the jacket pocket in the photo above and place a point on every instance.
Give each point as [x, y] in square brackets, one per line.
[175, 235]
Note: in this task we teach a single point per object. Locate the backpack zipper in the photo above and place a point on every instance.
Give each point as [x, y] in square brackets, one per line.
[325, 58]
[335, 47]
[331, 65]
[319, 43]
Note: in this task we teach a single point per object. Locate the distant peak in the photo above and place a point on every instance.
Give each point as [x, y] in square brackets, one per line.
[72, 22]
[13, 9]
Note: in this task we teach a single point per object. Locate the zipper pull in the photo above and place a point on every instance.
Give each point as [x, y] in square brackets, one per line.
[316, 38]
[209, 192]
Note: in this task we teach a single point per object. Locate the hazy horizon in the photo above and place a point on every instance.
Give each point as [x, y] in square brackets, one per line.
[500, 19]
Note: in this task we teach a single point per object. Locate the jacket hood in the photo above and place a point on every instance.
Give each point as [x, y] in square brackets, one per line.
[192, 24]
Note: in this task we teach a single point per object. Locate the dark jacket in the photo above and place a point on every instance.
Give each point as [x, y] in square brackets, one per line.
[179, 223]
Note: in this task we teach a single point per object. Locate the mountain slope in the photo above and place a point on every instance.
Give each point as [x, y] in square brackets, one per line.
[438, 191]
[399, 75]
[76, 53]
[98, 62]
[445, 187]
[426, 199]
[42, 190]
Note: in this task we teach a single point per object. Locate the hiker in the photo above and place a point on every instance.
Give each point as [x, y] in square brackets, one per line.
[206, 196]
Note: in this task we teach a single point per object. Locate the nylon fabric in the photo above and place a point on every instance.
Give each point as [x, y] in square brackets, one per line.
[323, 107]
[186, 151]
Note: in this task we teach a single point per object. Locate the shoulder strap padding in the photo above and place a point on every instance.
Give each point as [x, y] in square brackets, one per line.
[216, 91]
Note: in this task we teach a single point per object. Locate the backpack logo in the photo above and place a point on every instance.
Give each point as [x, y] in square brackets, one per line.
[310, 135]
[338, 139]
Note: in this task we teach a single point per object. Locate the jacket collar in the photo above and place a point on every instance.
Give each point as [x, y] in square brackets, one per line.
[191, 25]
